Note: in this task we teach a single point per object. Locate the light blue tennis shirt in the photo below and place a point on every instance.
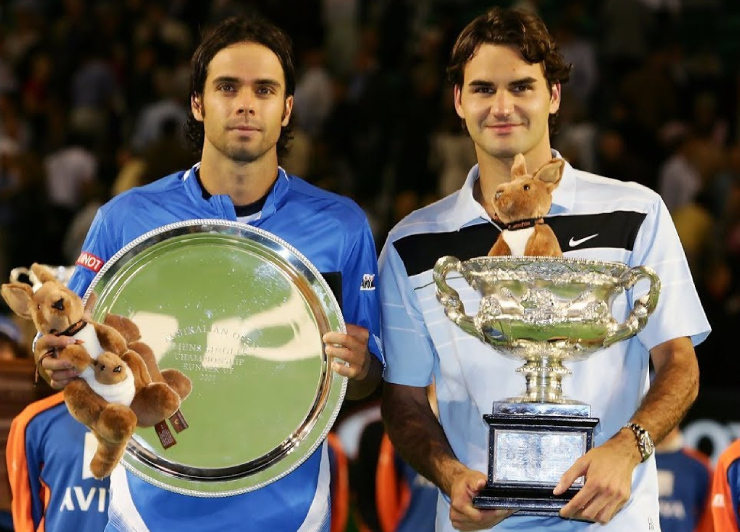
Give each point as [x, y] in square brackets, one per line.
[330, 231]
[593, 218]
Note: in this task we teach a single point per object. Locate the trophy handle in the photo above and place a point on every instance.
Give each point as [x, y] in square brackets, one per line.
[643, 306]
[449, 297]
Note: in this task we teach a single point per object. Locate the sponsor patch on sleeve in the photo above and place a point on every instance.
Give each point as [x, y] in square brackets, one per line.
[368, 282]
[90, 261]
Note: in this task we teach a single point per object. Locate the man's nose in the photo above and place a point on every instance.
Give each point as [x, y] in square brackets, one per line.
[503, 103]
[246, 103]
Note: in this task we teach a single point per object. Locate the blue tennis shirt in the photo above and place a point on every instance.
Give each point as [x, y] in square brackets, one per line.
[330, 231]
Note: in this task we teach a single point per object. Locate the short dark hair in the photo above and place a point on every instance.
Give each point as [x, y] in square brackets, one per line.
[510, 27]
[235, 30]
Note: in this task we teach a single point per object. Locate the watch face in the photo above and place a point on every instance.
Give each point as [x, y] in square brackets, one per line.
[648, 443]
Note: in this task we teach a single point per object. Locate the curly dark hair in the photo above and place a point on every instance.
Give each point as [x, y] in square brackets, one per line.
[234, 30]
[512, 27]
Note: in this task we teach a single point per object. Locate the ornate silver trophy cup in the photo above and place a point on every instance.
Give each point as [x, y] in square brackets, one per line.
[543, 311]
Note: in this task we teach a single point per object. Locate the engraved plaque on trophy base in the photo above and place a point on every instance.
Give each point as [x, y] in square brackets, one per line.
[531, 445]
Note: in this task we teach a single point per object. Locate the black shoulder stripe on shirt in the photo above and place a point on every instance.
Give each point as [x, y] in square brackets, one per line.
[605, 230]
[334, 280]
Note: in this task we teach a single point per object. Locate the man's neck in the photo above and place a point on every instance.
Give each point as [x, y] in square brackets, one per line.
[244, 183]
[494, 171]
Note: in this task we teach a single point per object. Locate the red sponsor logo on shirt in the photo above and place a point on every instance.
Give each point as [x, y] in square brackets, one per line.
[90, 261]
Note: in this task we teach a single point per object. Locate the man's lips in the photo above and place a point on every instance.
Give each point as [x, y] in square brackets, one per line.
[501, 128]
[244, 128]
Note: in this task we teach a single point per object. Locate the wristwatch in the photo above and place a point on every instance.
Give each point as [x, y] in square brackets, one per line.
[644, 442]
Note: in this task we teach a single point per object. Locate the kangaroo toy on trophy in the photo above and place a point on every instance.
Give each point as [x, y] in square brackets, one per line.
[521, 205]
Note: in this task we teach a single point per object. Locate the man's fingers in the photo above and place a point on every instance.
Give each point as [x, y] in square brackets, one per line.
[578, 469]
[61, 383]
[344, 340]
[579, 501]
[360, 333]
[606, 514]
[51, 364]
[51, 341]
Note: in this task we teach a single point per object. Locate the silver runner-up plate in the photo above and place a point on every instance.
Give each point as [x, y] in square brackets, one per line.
[241, 313]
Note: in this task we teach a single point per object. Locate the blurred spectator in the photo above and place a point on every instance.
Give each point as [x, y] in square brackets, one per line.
[158, 118]
[80, 223]
[48, 464]
[406, 501]
[69, 171]
[341, 20]
[678, 178]
[626, 26]
[684, 484]
[14, 128]
[157, 26]
[617, 161]
[94, 94]
[650, 92]
[167, 154]
[300, 157]
[314, 95]
[581, 53]
[27, 213]
[37, 94]
[576, 136]
[25, 33]
[452, 150]
[11, 338]
[697, 229]
[706, 123]
[726, 490]
[8, 81]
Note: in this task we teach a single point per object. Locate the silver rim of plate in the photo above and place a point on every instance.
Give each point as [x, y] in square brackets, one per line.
[241, 313]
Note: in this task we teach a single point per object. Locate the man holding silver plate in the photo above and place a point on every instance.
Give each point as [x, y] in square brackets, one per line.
[226, 268]
[621, 297]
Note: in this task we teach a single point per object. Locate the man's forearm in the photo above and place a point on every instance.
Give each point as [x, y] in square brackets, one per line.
[673, 390]
[417, 435]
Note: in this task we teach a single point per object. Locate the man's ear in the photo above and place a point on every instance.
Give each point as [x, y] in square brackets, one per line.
[196, 106]
[457, 94]
[287, 110]
[555, 95]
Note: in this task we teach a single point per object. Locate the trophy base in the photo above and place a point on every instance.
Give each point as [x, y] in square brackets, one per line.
[526, 500]
[529, 450]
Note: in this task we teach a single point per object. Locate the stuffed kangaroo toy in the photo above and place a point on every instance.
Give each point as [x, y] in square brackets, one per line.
[521, 205]
[114, 392]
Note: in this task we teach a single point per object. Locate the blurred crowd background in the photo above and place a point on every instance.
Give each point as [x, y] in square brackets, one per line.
[94, 93]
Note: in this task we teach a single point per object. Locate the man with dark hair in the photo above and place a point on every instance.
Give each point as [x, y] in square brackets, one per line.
[241, 100]
[507, 76]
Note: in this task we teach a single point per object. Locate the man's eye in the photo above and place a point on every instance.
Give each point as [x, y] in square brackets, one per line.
[483, 90]
[520, 88]
[226, 87]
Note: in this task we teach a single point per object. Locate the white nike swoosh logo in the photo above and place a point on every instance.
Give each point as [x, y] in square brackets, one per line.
[573, 242]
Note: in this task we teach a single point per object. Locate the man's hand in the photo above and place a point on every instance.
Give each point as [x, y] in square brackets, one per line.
[465, 485]
[608, 472]
[59, 372]
[352, 359]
